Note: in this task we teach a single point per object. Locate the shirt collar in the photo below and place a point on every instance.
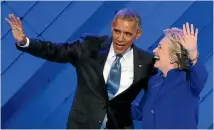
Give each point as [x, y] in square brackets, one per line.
[124, 55]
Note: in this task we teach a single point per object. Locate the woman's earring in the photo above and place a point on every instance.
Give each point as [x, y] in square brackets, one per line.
[171, 62]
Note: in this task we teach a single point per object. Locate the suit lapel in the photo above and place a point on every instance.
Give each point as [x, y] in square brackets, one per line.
[101, 58]
[138, 66]
[103, 52]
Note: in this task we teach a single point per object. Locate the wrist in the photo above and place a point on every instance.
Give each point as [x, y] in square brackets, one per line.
[23, 41]
[193, 55]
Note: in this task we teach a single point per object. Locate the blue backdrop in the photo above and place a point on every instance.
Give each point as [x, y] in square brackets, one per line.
[38, 94]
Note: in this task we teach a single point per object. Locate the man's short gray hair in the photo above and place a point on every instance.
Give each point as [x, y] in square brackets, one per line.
[130, 15]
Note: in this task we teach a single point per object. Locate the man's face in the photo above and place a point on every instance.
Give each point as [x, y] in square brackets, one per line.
[124, 33]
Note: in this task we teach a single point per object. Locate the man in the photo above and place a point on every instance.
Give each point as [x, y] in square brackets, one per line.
[107, 69]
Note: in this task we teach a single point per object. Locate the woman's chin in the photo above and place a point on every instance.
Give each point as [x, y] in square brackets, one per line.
[156, 64]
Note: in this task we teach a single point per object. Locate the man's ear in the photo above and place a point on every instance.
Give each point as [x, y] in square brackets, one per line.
[112, 26]
[139, 33]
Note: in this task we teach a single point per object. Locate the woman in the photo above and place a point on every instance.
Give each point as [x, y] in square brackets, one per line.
[171, 101]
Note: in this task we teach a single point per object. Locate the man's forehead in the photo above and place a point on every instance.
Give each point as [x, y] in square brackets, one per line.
[125, 28]
[126, 22]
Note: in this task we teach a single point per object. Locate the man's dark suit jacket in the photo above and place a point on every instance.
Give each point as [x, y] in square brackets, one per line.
[90, 105]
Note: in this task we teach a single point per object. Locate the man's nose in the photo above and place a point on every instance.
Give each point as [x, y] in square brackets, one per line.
[121, 37]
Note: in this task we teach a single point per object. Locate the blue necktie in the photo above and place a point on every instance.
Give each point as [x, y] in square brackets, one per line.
[113, 82]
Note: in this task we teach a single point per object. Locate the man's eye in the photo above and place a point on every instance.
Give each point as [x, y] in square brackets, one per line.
[117, 31]
[128, 34]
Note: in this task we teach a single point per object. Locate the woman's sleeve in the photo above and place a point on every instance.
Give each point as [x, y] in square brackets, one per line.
[197, 76]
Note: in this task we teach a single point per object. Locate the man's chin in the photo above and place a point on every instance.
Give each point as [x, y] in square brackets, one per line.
[119, 51]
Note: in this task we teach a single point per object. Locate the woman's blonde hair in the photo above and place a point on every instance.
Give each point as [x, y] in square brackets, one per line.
[177, 52]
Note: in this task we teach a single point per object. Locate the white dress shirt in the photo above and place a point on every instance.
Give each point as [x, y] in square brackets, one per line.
[127, 68]
[27, 43]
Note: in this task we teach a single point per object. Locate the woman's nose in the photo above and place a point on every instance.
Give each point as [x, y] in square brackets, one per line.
[155, 50]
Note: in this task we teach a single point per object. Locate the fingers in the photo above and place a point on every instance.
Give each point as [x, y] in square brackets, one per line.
[187, 28]
[196, 33]
[184, 29]
[11, 18]
[9, 21]
[19, 22]
[14, 22]
[14, 19]
[192, 29]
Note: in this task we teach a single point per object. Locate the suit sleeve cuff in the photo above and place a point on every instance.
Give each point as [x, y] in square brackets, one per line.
[27, 43]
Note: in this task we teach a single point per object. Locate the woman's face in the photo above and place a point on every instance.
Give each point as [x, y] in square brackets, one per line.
[162, 55]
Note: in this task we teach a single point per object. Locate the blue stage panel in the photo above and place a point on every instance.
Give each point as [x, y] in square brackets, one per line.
[209, 83]
[70, 20]
[21, 7]
[5, 11]
[206, 112]
[44, 13]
